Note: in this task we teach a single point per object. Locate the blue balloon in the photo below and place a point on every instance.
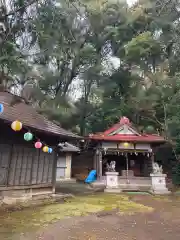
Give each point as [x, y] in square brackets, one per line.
[1, 108]
[50, 150]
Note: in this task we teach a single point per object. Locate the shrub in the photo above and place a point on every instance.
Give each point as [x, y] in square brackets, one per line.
[176, 174]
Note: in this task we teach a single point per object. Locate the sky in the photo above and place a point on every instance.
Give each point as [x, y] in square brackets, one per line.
[131, 2]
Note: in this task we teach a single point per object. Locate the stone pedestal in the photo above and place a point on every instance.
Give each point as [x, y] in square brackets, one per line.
[159, 183]
[112, 182]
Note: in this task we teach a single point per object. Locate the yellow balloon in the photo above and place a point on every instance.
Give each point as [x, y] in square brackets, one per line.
[126, 144]
[45, 149]
[16, 125]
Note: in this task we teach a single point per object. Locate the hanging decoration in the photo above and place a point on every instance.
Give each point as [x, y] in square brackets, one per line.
[126, 144]
[1, 108]
[38, 144]
[16, 125]
[28, 136]
[45, 149]
[50, 150]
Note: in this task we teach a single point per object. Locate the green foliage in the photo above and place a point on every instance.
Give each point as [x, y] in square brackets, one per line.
[89, 63]
[142, 47]
[150, 129]
[176, 174]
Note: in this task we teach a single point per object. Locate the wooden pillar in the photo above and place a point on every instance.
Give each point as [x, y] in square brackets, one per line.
[152, 158]
[100, 165]
[150, 163]
[54, 172]
[146, 160]
[95, 161]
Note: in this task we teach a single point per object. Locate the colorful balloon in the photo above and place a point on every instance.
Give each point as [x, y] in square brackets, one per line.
[45, 149]
[38, 145]
[1, 108]
[28, 136]
[16, 125]
[50, 150]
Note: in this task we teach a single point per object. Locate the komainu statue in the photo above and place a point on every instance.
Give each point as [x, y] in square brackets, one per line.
[156, 168]
[111, 167]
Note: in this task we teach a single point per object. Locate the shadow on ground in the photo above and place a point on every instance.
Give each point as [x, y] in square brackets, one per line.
[75, 188]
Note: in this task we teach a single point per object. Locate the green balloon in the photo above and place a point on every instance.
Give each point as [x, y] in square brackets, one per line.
[28, 136]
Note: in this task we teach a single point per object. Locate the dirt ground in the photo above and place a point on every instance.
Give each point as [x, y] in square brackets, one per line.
[161, 224]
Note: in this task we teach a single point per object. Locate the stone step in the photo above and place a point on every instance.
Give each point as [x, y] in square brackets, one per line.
[135, 187]
[70, 180]
[97, 183]
[122, 186]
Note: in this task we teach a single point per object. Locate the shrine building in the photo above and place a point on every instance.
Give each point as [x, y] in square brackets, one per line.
[133, 153]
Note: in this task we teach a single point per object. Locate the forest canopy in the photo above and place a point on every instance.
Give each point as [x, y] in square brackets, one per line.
[86, 63]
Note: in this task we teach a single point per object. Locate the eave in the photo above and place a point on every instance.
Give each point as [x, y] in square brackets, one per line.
[129, 138]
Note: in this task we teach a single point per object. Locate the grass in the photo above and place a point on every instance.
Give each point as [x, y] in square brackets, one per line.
[36, 217]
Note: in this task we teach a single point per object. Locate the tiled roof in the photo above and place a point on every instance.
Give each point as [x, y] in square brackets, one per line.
[68, 147]
[19, 110]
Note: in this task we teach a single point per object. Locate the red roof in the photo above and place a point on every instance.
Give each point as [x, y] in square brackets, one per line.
[124, 132]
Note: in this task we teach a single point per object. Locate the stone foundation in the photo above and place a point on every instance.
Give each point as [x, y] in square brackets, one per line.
[14, 195]
[159, 184]
[112, 182]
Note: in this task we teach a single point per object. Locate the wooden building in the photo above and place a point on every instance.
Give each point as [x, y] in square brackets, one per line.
[64, 162]
[25, 170]
[132, 151]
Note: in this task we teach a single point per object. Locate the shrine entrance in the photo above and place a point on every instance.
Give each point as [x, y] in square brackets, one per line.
[137, 164]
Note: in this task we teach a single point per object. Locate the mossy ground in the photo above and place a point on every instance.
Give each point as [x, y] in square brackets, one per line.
[37, 217]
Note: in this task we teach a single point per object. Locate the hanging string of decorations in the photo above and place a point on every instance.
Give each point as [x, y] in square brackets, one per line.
[28, 136]
[124, 151]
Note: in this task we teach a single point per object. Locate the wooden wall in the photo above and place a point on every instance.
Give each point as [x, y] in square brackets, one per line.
[21, 165]
[81, 163]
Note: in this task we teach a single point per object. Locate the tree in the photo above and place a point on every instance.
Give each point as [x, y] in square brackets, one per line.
[15, 22]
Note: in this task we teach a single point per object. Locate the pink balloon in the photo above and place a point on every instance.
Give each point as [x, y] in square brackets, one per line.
[38, 144]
